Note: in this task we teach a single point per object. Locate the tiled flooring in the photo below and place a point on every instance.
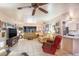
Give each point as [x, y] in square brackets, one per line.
[32, 48]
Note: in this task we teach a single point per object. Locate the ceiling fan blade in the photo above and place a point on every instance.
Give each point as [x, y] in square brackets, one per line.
[24, 7]
[41, 9]
[40, 4]
[33, 13]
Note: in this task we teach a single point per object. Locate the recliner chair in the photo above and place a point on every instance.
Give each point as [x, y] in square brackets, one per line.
[52, 47]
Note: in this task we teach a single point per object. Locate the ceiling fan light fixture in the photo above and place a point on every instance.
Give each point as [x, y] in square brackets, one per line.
[35, 6]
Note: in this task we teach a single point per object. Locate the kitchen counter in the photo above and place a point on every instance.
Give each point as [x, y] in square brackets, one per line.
[72, 37]
[70, 44]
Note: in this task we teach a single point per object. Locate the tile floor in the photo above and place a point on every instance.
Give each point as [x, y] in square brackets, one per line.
[32, 48]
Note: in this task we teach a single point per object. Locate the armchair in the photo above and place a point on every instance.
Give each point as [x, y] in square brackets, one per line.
[50, 47]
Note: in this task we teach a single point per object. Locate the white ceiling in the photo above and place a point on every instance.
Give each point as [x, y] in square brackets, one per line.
[10, 9]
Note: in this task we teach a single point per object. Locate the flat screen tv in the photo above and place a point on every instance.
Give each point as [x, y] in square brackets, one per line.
[12, 32]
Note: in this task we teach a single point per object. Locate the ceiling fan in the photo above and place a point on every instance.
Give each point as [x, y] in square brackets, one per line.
[35, 6]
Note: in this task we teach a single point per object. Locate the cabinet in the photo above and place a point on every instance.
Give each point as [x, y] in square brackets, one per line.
[12, 41]
[71, 45]
[72, 26]
[76, 46]
[68, 45]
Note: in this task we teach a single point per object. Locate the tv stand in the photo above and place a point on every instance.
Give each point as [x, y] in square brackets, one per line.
[12, 41]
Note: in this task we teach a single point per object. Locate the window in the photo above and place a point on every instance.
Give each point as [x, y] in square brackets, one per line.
[29, 28]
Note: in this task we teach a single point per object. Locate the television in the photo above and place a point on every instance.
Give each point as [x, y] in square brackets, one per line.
[12, 32]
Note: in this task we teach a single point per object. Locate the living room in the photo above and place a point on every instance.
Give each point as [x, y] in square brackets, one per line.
[32, 29]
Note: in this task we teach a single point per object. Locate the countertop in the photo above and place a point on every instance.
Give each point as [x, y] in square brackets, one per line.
[72, 37]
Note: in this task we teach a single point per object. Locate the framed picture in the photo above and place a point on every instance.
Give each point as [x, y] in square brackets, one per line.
[3, 34]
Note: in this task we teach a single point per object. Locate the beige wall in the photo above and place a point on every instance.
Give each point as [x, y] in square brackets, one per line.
[4, 18]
